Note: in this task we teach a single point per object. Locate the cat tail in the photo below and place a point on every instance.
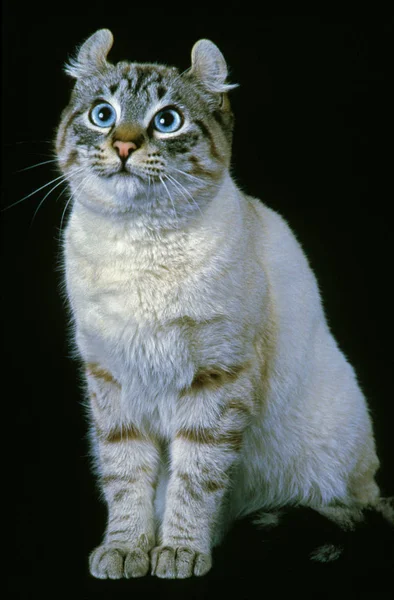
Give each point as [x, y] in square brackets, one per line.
[364, 530]
[333, 533]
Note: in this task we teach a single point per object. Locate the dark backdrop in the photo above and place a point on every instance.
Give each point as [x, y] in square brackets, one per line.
[313, 140]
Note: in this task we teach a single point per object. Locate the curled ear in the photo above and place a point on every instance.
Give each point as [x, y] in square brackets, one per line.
[209, 66]
[92, 55]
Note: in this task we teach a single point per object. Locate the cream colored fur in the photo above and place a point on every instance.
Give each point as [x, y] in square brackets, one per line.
[310, 440]
[230, 294]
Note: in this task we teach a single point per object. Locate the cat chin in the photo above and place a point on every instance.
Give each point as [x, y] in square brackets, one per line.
[116, 194]
[126, 186]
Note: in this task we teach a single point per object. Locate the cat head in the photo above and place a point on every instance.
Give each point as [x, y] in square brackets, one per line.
[144, 138]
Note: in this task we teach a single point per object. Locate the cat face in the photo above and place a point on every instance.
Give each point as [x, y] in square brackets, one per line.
[143, 138]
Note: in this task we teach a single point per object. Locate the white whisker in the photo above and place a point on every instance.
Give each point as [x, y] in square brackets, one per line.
[73, 195]
[170, 197]
[45, 162]
[61, 193]
[42, 201]
[63, 177]
[147, 190]
[192, 176]
[63, 213]
[183, 190]
[30, 142]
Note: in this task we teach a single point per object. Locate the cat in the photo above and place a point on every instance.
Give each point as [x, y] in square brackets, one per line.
[215, 387]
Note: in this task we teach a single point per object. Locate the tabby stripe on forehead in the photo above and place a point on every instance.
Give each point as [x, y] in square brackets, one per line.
[209, 135]
[161, 91]
[149, 83]
[100, 92]
[141, 76]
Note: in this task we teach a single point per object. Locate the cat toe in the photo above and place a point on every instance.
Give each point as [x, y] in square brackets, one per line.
[163, 562]
[136, 564]
[106, 563]
[179, 563]
[184, 562]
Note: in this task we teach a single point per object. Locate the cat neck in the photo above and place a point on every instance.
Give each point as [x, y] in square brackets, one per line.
[218, 214]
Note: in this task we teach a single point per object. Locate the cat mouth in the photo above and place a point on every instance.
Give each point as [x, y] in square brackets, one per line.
[123, 173]
[131, 172]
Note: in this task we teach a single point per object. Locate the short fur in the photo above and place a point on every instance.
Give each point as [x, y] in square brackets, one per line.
[216, 388]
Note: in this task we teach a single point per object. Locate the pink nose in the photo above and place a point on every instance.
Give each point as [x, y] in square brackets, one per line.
[124, 149]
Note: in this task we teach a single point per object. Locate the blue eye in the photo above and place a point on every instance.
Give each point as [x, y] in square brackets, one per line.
[167, 120]
[103, 115]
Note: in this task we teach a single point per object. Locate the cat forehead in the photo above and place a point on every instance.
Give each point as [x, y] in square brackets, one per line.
[130, 79]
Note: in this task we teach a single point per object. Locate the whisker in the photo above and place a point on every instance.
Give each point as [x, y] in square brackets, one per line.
[72, 196]
[172, 180]
[192, 176]
[35, 192]
[63, 213]
[29, 142]
[45, 162]
[182, 190]
[170, 197]
[42, 201]
[57, 199]
[147, 190]
[61, 193]
[63, 177]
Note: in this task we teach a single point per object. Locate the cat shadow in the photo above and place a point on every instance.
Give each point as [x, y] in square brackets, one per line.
[252, 561]
[294, 542]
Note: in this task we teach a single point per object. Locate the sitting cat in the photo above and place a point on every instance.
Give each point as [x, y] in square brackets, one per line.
[215, 386]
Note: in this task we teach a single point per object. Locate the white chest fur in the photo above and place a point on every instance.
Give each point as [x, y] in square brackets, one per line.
[154, 311]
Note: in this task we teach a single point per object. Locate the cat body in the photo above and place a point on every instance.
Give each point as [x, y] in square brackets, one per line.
[215, 386]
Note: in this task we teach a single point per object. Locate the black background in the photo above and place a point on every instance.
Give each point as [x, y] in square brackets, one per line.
[313, 139]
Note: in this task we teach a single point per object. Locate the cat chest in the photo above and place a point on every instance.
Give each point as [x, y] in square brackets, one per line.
[148, 325]
[123, 310]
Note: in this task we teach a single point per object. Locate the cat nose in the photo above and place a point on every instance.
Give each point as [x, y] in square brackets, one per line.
[124, 149]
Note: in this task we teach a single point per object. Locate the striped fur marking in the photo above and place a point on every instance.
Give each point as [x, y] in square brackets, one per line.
[66, 126]
[120, 434]
[208, 134]
[96, 371]
[71, 159]
[213, 378]
[231, 438]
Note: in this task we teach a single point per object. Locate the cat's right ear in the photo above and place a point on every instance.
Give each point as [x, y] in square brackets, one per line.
[92, 55]
[209, 67]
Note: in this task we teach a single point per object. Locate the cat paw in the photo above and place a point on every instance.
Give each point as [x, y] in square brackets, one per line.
[179, 563]
[108, 562]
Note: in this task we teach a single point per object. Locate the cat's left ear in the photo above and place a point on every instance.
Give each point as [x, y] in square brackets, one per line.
[92, 55]
[209, 66]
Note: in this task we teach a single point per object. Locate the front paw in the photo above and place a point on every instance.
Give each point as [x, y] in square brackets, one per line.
[178, 563]
[115, 562]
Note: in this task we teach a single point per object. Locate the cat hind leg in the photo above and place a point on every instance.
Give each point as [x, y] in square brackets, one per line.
[372, 522]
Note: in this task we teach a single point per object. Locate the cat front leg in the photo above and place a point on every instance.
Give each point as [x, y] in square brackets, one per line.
[128, 464]
[202, 458]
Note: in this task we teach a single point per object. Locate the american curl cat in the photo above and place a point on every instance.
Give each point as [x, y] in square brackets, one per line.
[215, 386]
